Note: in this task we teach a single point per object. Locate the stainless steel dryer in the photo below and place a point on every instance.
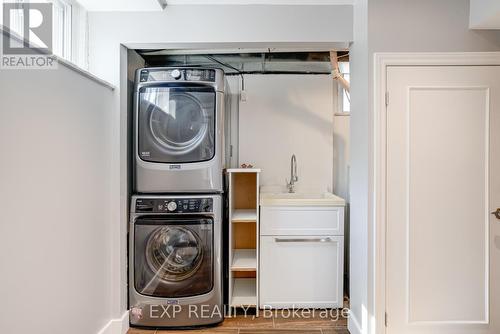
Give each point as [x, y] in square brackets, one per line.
[175, 261]
[179, 125]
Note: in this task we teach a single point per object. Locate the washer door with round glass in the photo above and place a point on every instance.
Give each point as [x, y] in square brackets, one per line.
[173, 257]
[176, 124]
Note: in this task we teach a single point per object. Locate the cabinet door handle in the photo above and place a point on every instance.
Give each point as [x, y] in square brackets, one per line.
[327, 239]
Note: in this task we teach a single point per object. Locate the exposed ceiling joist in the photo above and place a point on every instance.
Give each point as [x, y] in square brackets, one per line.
[252, 63]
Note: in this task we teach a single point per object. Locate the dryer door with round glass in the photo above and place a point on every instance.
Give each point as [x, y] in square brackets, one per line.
[176, 124]
[173, 257]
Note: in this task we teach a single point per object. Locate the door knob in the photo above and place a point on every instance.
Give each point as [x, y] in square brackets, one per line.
[496, 213]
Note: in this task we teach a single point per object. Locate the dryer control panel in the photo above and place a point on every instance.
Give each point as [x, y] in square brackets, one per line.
[177, 74]
[174, 205]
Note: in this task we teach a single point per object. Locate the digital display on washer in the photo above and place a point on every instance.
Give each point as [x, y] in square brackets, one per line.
[200, 75]
[174, 205]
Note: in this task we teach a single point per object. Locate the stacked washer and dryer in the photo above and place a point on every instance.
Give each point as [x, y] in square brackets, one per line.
[175, 232]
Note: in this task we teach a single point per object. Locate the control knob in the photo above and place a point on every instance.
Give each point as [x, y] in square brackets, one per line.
[171, 206]
[176, 74]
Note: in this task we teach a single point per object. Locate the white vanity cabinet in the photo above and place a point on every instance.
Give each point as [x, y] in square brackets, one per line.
[301, 254]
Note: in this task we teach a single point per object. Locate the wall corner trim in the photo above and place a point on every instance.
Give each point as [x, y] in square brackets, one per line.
[116, 326]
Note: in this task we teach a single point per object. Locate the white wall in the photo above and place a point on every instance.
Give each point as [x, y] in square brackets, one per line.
[55, 202]
[208, 26]
[390, 26]
[446, 27]
[285, 115]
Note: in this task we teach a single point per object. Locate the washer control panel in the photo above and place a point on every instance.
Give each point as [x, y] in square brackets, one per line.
[174, 205]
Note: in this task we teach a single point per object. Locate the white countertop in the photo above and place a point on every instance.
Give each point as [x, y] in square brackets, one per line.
[300, 199]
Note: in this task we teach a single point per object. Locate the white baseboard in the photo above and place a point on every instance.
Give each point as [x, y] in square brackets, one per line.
[353, 325]
[116, 326]
[125, 324]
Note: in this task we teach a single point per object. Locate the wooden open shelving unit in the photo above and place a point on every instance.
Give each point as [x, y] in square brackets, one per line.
[243, 237]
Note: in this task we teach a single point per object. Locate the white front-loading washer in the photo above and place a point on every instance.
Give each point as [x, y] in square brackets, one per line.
[179, 130]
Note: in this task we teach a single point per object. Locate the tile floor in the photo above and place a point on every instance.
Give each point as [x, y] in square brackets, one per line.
[321, 322]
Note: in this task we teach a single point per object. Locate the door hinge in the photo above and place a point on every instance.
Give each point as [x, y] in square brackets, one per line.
[231, 150]
[385, 319]
[386, 99]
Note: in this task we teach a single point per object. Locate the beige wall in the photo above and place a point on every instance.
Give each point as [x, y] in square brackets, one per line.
[285, 115]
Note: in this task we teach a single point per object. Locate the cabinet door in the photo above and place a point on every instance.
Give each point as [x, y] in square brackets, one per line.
[301, 271]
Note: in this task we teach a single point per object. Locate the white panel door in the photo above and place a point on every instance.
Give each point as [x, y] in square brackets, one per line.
[443, 182]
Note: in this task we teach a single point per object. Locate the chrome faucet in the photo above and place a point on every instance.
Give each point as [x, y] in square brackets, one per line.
[293, 175]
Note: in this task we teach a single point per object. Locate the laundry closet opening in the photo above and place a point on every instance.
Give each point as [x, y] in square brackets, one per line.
[278, 104]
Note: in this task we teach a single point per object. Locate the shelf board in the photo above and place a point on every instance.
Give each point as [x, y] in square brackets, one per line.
[244, 260]
[244, 215]
[244, 292]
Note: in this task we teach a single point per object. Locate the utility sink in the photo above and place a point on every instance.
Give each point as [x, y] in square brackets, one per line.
[300, 199]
